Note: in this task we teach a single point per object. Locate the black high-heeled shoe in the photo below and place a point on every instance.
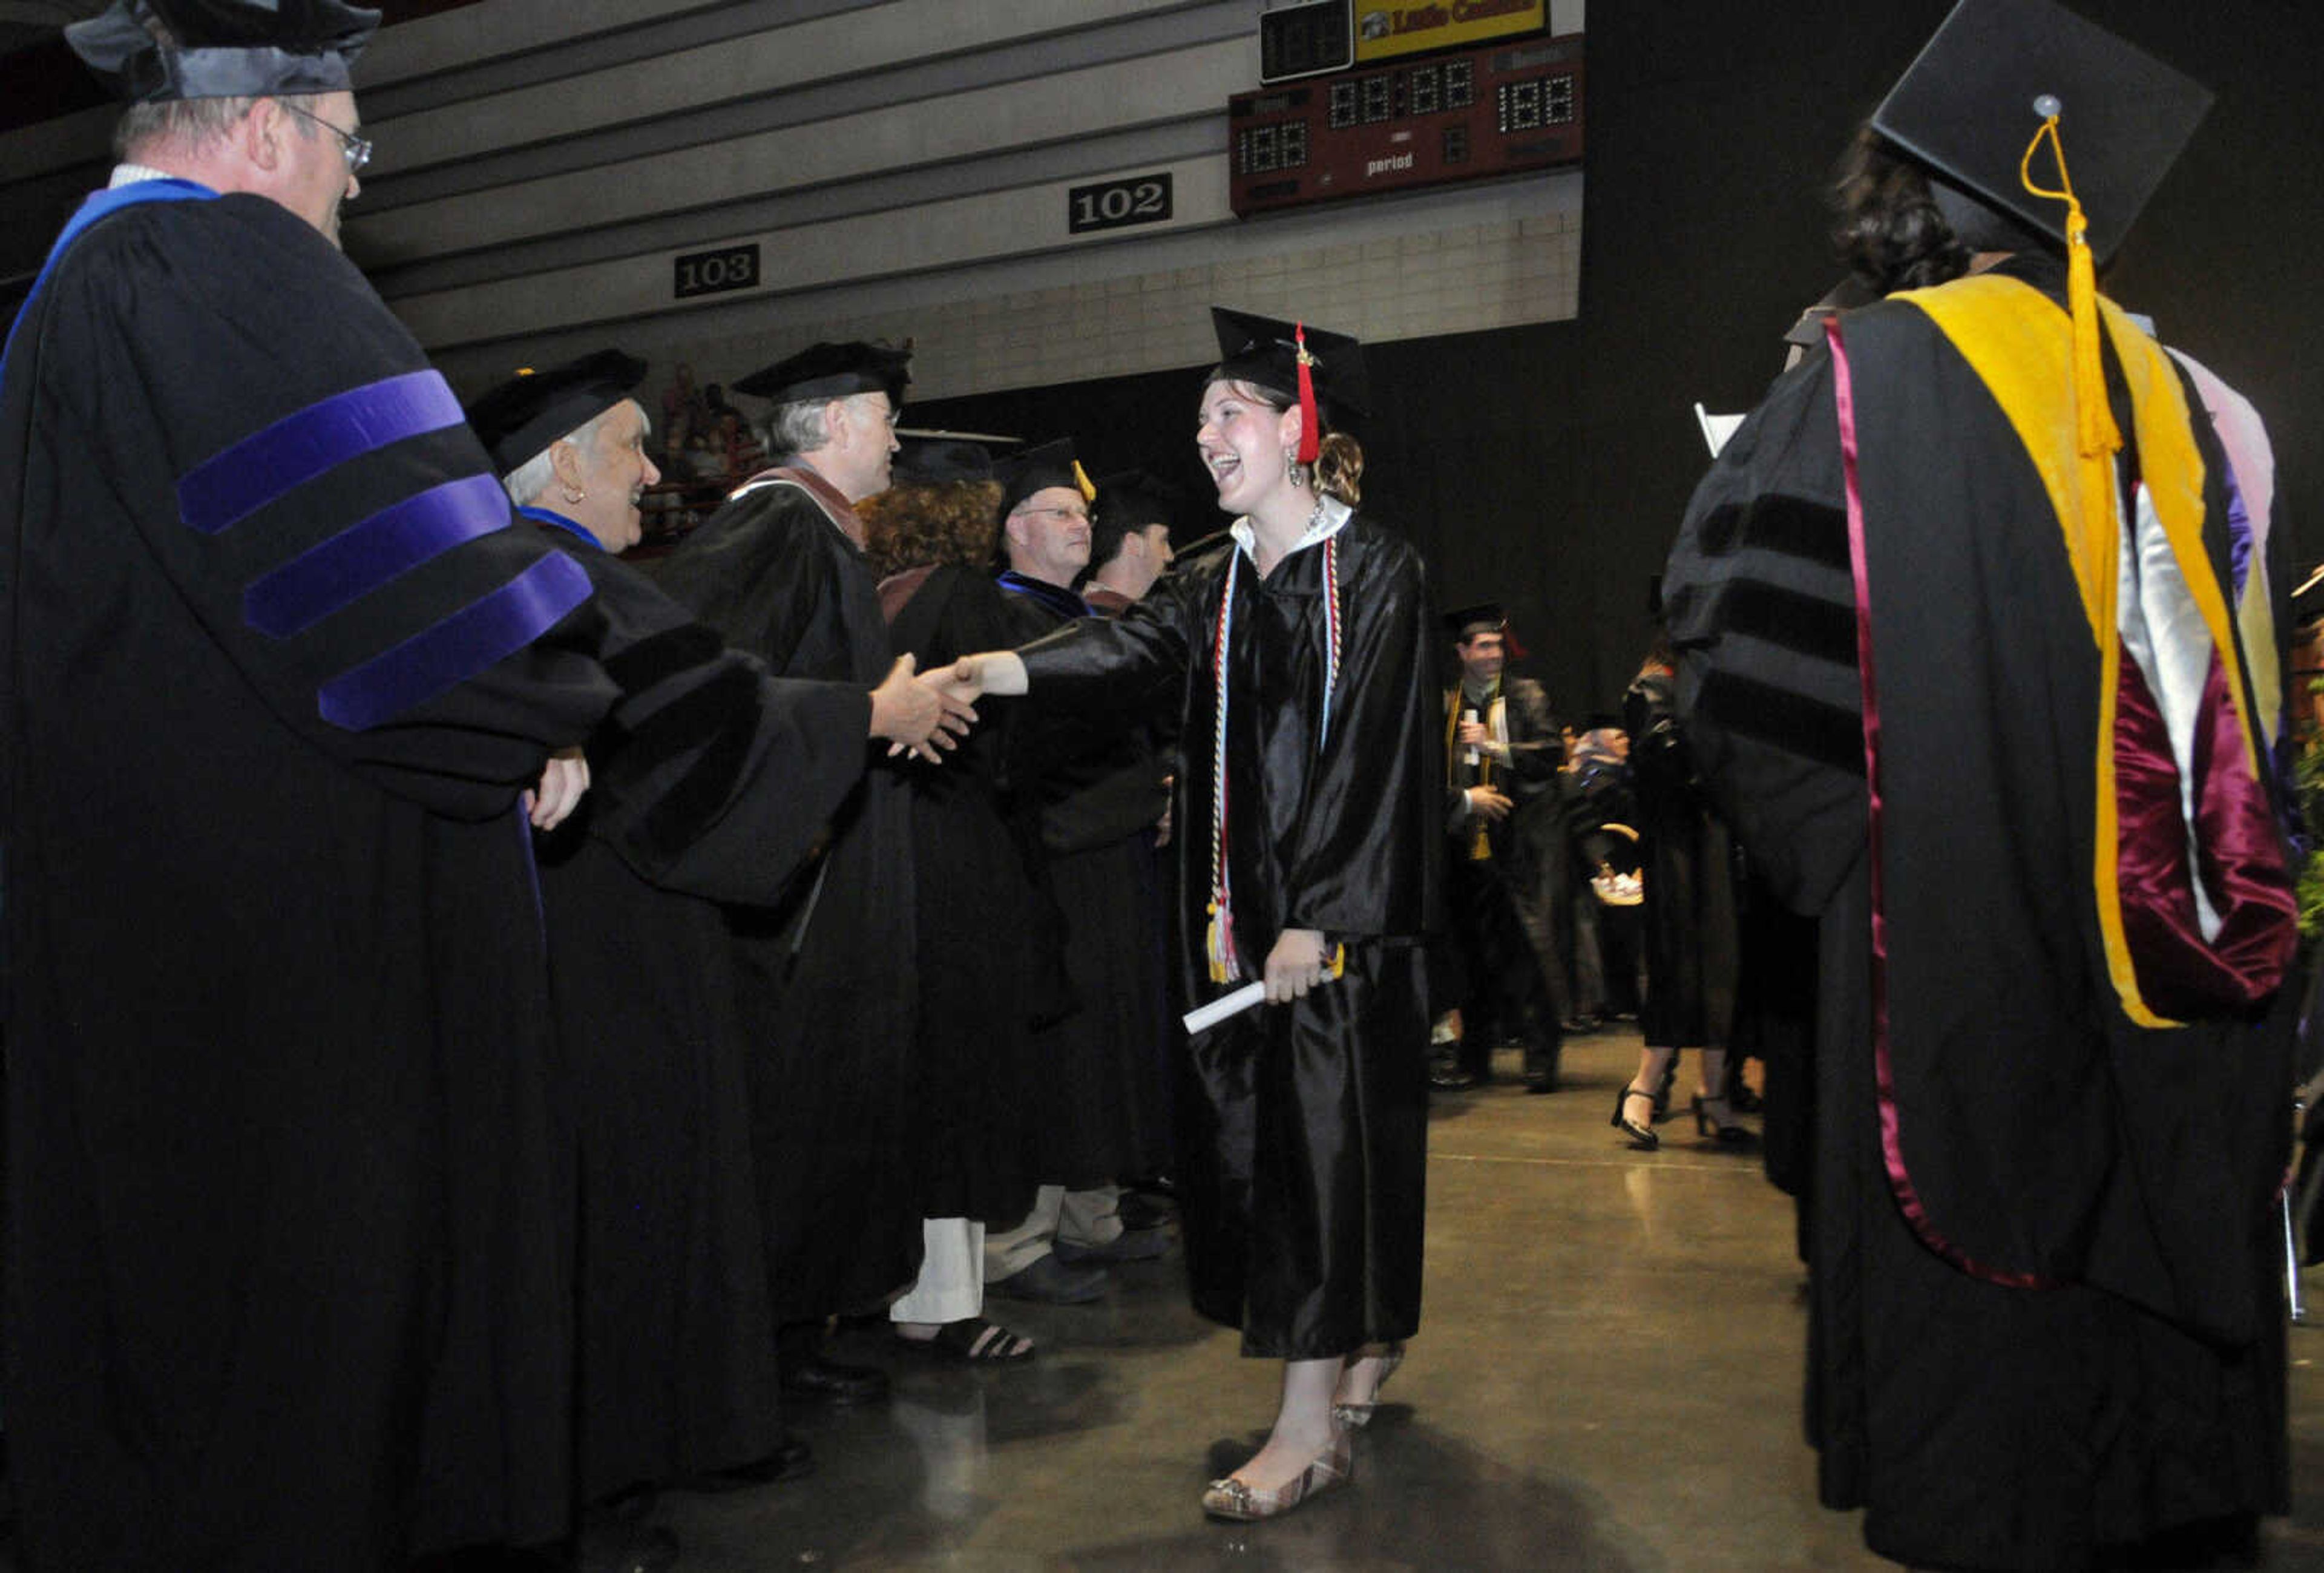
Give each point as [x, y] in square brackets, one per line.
[1642, 1138]
[1707, 1124]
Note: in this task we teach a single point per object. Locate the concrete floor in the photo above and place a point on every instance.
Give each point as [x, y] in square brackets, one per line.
[1608, 1377]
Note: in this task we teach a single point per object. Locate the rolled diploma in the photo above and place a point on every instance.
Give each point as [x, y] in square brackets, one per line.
[1203, 1018]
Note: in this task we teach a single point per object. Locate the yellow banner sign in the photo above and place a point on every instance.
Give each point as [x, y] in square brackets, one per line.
[1388, 28]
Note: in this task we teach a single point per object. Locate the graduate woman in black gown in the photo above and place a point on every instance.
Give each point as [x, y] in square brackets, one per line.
[1299, 659]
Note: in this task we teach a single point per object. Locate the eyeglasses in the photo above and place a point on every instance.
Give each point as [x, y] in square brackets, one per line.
[1061, 515]
[356, 149]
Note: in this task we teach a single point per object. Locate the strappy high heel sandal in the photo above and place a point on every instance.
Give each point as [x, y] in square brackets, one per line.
[1707, 1124]
[1642, 1138]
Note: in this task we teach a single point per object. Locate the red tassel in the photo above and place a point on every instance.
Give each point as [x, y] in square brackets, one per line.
[1311, 440]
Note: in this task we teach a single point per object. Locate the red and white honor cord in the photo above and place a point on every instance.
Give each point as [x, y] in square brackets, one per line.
[1225, 967]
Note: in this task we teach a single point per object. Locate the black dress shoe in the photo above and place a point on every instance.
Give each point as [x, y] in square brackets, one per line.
[1540, 1068]
[1447, 1077]
[1129, 1246]
[791, 1460]
[822, 1381]
[1145, 1210]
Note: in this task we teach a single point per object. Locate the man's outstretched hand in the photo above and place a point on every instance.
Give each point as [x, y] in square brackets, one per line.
[918, 715]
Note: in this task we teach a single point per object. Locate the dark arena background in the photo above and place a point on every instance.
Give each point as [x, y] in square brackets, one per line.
[1547, 465]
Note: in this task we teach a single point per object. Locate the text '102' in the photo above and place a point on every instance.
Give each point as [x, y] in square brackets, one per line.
[1118, 204]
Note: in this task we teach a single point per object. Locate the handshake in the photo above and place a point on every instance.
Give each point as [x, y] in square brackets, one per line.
[928, 710]
[921, 715]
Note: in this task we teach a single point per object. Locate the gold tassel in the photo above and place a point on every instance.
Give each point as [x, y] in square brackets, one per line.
[2098, 435]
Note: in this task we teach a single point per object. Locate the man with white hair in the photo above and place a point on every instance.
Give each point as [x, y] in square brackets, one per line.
[678, 1341]
[290, 1290]
[295, 1288]
[825, 972]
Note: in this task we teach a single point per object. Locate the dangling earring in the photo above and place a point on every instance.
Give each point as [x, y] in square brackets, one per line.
[1293, 472]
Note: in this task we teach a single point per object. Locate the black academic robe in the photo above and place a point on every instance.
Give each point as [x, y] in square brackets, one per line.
[2035, 1133]
[827, 969]
[988, 933]
[1689, 917]
[1302, 1129]
[1093, 792]
[1504, 905]
[289, 1240]
[677, 1330]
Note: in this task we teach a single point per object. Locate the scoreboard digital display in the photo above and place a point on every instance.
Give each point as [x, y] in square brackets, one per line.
[1305, 41]
[1494, 110]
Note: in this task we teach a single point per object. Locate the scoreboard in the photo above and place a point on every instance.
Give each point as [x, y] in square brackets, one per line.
[1496, 109]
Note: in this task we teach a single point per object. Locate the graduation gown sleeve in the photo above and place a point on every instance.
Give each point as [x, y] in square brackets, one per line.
[711, 776]
[1761, 611]
[335, 528]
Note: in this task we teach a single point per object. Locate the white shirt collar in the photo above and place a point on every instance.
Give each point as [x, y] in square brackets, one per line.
[1331, 517]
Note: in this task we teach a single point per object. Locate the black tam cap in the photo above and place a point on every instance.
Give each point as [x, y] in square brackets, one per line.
[524, 415]
[834, 371]
[939, 457]
[1484, 617]
[1136, 498]
[1037, 470]
[1128, 502]
[161, 49]
[1979, 92]
[1264, 352]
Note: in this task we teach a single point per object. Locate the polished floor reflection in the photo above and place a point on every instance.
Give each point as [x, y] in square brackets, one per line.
[1607, 1378]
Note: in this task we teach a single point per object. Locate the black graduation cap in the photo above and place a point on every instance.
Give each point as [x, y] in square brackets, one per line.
[162, 50]
[522, 416]
[1264, 352]
[1037, 470]
[1972, 102]
[1484, 617]
[1133, 499]
[834, 371]
[939, 457]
